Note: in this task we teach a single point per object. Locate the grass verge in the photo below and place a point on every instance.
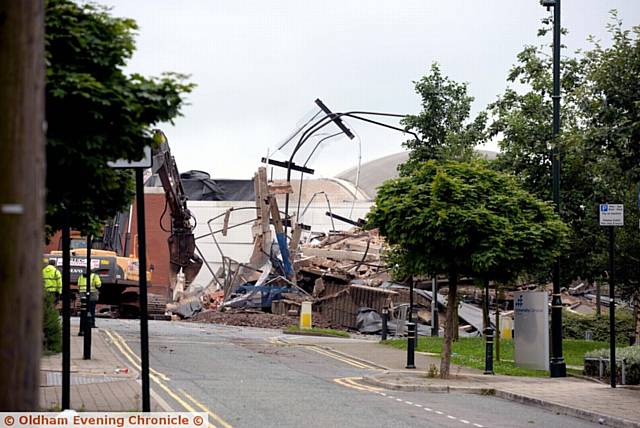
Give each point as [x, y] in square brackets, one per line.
[469, 352]
[294, 329]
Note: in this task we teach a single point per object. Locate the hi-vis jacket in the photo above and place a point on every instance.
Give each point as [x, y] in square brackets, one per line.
[95, 283]
[52, 279]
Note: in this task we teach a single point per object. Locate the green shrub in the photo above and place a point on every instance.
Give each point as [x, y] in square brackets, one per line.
[51, 328]
[631, 357]
[574, 326]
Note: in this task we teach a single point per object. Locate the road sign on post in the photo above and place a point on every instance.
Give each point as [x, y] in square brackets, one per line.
[611, 215]
[139, 166]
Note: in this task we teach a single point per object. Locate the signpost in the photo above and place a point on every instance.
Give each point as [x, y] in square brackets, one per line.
[612, 216]
[139, 167]
[66, 314]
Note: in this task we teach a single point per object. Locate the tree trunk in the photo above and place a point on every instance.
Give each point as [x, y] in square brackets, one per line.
[598, 300]
[636, 318]
[456, 320]
[449, 326]
[21, 201]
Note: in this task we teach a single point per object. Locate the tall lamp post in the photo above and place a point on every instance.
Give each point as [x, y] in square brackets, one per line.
[557, 366]
[329, 117]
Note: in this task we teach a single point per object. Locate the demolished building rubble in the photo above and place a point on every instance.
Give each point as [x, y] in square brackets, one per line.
[340, 272]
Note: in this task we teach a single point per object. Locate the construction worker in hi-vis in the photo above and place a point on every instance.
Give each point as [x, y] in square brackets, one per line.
[52, 280]
[93, 289]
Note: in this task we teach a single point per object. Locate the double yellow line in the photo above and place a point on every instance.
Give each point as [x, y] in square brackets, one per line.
[158, 377]
[343, 358]
[351, 382]
[327, 353]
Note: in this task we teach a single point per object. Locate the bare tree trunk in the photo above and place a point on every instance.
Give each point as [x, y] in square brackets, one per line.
[449, 326]
[21, 201]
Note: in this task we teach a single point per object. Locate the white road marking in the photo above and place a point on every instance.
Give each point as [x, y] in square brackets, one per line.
[351, 383]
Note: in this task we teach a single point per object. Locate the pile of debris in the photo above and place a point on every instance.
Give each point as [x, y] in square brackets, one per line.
[350, 255]
[245, 318]
[340, 272]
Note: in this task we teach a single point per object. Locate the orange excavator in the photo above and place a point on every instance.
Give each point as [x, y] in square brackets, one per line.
[117, 268]
[119, 275]
[182, 244]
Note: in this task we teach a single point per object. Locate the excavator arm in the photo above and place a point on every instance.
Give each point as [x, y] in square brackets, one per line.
[182, 244]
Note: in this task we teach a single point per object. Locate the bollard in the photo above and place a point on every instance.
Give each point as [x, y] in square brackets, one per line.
[488, 353]
[88, 322]
[83, 314]
[305, 316]
[411, 345]
[385, 326]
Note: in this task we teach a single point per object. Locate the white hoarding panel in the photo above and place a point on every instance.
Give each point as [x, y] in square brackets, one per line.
[531, 329]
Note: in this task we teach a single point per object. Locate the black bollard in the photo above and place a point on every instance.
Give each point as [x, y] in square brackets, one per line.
[488, 353]
[385, 326]
[411, 345]
[83, 314]
[88, 322]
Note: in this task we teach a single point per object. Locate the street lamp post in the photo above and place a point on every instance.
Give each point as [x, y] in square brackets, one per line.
[329, 117]
[557, 366]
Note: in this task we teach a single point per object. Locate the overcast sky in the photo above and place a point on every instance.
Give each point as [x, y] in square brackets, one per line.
[260, 64]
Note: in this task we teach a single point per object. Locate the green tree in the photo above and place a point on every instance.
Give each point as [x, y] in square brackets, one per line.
[464, 219]
[96, 112]
[600, 128]
[443, 124]
[610, 104]
[610, 96]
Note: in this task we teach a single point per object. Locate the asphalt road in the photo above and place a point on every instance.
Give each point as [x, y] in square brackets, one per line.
[244, 377]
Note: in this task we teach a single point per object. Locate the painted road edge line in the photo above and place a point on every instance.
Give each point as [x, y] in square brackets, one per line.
[151, 369]
[131, 356]
[204, 408]
[349, 361]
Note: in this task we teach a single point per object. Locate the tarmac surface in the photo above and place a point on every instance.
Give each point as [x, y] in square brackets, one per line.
[249, 377]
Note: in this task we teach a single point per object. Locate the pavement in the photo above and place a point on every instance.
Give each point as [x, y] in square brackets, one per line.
[103, 383]
[585, 399]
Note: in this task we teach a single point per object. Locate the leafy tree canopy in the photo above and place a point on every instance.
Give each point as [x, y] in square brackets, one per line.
[96, 112]
[598, 142]
[443, 124]
[465, 219]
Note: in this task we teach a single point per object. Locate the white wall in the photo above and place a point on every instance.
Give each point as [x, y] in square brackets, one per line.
[238, 243]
